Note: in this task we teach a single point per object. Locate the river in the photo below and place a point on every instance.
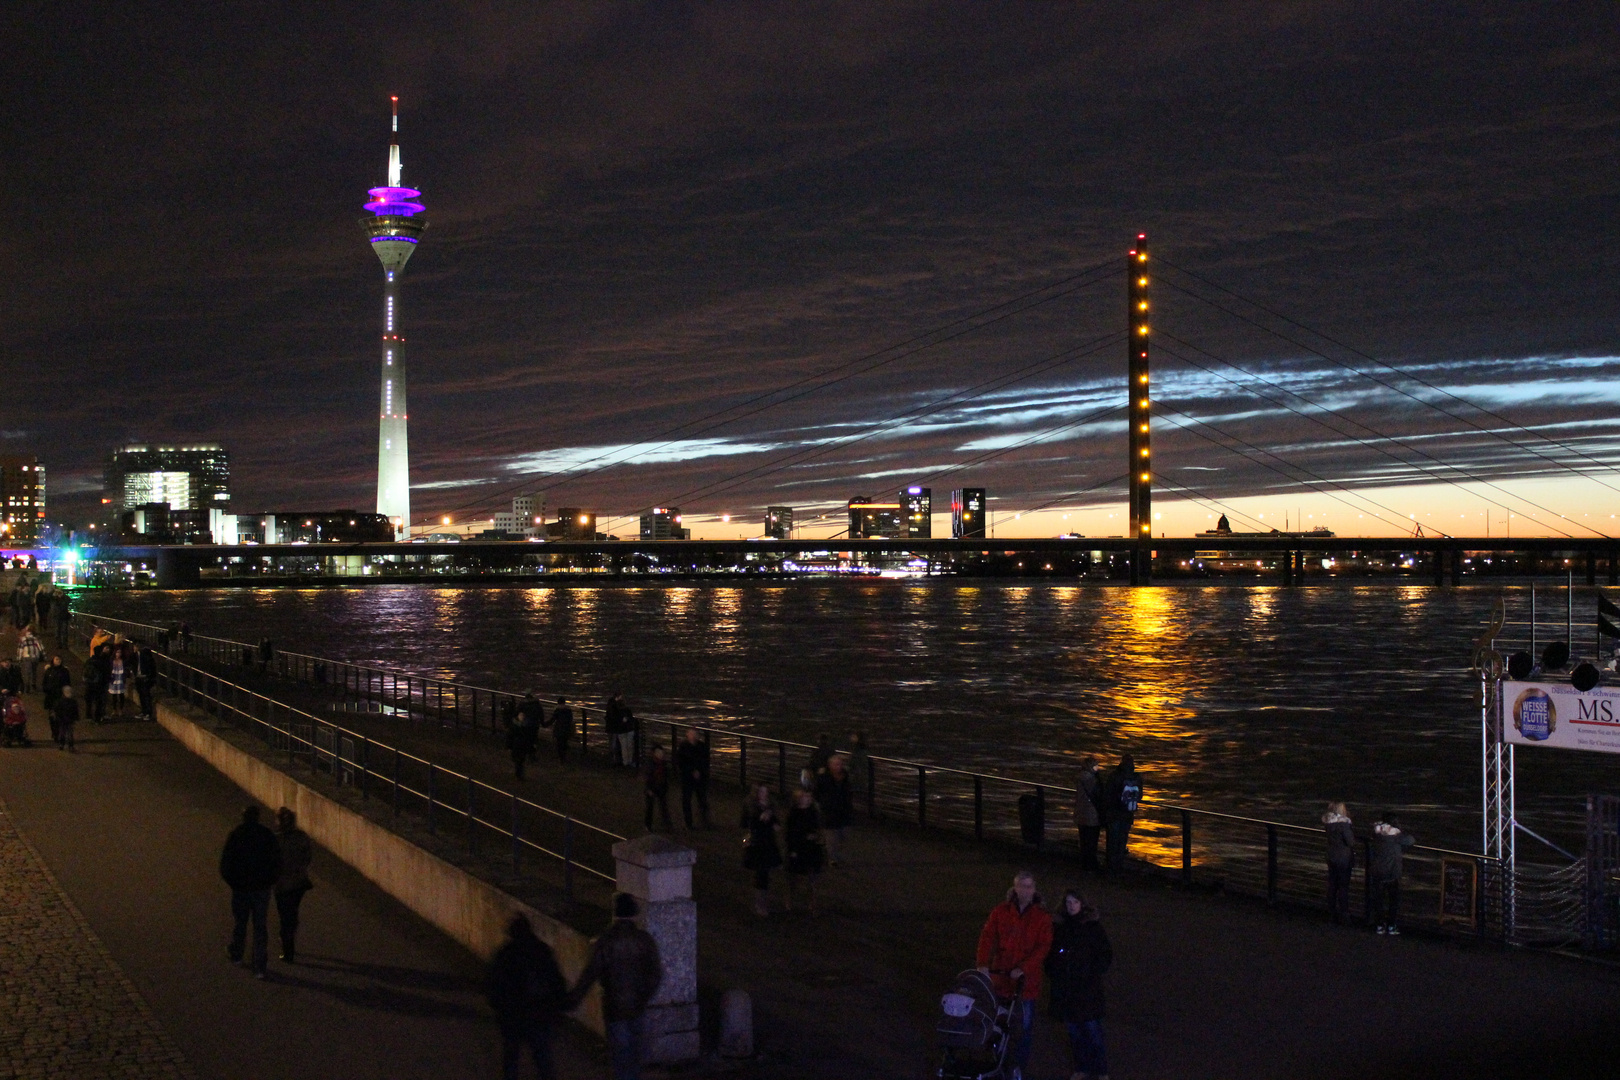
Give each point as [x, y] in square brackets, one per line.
[1252, 699]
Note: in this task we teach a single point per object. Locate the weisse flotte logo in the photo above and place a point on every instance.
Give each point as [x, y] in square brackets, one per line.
[1533, 714]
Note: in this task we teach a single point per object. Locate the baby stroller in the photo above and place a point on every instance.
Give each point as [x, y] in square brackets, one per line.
[13, 722]
[975, 1028]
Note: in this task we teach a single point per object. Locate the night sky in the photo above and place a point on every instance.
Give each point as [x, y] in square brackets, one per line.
[645, 216]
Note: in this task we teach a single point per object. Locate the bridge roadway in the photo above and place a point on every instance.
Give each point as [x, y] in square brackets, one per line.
[180, 564]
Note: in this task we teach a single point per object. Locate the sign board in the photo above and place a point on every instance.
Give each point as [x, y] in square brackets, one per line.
[1459, 882]
[1557, 714]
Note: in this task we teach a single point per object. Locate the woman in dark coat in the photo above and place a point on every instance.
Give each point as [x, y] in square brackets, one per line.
[761, 855]
[802, 836]
[1341, 859]
[1075, 964]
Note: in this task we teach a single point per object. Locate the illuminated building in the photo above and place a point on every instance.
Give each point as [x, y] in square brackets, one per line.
[179, 477]
[917, 512]
[868, 519]
[664, 523]
[967, 513]
[394, 228]
[318, 527]
[22, 487]
[779, 522]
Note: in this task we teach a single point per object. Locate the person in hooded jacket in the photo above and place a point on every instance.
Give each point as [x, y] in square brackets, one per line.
[1389, 843]
[1123, 798]
[1012, 951]
[527, 990]
[625, 960]
[1079, 957]
[1341, 859]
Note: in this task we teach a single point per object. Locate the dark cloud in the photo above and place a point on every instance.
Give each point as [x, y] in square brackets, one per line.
[644, 213]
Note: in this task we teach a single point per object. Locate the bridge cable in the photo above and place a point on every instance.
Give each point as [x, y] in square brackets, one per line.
[1391, 386]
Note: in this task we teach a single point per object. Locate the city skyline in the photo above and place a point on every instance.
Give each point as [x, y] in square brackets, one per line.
[623, 248]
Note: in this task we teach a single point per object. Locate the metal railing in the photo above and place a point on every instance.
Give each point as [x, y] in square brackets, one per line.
[1280, 861]
[376, 770]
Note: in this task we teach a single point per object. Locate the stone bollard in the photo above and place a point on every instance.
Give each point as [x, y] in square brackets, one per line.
[658, 873]
[736, 1024]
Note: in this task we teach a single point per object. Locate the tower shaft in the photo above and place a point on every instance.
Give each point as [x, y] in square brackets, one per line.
[393, 447]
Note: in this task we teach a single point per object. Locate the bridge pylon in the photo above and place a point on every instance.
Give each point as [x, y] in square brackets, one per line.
[1140, 465]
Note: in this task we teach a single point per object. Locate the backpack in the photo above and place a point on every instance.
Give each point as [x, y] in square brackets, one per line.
[1130, 793]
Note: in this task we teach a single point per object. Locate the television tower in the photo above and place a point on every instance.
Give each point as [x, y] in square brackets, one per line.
[394, 229]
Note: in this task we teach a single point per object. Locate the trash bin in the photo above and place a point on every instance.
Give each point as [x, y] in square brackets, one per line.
[1032, 817]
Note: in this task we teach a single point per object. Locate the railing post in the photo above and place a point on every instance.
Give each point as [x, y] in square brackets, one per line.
[515, 841]
[472, 819]
[1366, 879]
[1186, 847]
[431, 784]
[396, 781]
[365, 763]
[922, 797]
[568, 858]
[781, 770]
[978, 807]
[1271, 864]
[742, 762]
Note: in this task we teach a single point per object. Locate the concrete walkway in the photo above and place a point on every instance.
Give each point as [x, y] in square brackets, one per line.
[131, 827]
[1203, 986]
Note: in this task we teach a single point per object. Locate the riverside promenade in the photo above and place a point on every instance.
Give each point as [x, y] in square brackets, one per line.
[113, 923]
[1203, 985]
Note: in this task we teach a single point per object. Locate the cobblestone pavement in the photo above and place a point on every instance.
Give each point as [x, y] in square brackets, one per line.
[67, 1008]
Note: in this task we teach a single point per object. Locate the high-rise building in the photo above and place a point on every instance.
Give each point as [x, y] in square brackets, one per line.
[868, 519]
[664, 523]
[178, 477]
[22, 492]
[779, 522]
[394, 228]
[917, 512]
[967, 513]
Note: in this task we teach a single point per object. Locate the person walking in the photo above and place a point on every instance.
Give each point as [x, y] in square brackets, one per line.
[293, 882]
[29, 654]
[11, 679]
[1087, 812]
[761, 854]
[251, 866]
[837, 802]
[655, 787]
[1341, 859]
[527, 990]
[117, 679]
[145, 670]
[51, 683]
[801, 835]
[1012, 951]
[1389, 844]
[1123, 798]
[43, 597]
[562, 729]
[692, 766]
[61, 616]
[97, 670]
[63, 718]
[819, 756]
[860, 765]
[621, 730]
[1075, 965]
[625, 961]
[523, 731]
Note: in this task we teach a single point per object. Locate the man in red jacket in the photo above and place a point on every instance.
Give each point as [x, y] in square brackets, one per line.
[1012, 951]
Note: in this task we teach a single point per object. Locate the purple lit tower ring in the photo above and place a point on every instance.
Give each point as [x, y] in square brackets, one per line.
[394, 228]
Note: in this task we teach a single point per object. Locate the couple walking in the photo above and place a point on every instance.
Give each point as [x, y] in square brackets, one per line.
[257, 864]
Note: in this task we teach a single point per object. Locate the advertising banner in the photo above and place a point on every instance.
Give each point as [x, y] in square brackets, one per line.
[1557, 714]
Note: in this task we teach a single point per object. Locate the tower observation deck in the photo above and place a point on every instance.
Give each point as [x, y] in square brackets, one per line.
[394, 227]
